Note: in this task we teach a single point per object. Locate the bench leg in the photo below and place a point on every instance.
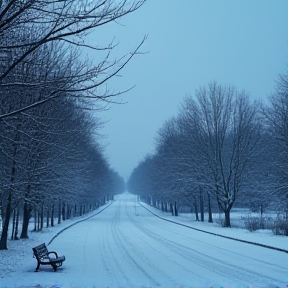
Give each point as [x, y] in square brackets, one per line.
[37, 268]
[54, 267]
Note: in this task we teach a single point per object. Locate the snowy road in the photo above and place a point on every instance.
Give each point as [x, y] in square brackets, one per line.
[127, 246]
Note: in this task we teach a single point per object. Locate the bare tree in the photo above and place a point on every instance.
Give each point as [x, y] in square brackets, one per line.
[277, 115]
[225, 131]
[66, 22]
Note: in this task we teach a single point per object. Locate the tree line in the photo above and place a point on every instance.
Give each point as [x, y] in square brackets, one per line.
[221, 150]
[51, 152]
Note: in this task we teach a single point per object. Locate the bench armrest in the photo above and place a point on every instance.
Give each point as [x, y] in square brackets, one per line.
[53, 252]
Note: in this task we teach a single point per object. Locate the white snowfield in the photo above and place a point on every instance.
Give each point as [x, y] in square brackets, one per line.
[125, 245]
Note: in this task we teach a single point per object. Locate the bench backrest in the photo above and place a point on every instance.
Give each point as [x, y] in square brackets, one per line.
[41, 251]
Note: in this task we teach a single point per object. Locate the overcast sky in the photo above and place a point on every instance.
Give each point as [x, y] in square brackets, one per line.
[191, 43]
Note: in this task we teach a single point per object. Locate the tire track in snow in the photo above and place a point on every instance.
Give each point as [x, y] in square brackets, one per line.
[199, 261]
[119, 237]
[211, 263]
[215, 234]
[110, 233]
[220, 266]
[164, 256]
[209, 245]
[143, 255]
[104, 255]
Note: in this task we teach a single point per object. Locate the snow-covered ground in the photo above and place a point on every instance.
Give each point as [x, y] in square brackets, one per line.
[125, 245]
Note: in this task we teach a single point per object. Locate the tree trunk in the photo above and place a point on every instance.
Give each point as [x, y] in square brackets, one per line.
[175, 209]
[227, 209]
[201, 207]
[63, 211]
[4, 235]
[38, 221]
[171, 209]
[52, 215]
[47, 217]
[210, 219]
[35, 220]
[162, 206]
[26, 214]
[227, 222]
[261, 216]
[68, 211]
[42, 218]
[2, 211]
[196, 209]
[68, 215]
[17, 225]
[13, 223]
[26, 217]
[59, 212]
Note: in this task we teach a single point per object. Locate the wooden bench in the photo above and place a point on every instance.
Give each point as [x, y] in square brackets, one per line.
[43, 257]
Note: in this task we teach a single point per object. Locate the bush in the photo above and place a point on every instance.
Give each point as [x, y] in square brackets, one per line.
[280, 227]
[253, 224]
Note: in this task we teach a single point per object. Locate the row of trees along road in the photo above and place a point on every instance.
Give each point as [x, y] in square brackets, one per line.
[52, 161]
[221, 147]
